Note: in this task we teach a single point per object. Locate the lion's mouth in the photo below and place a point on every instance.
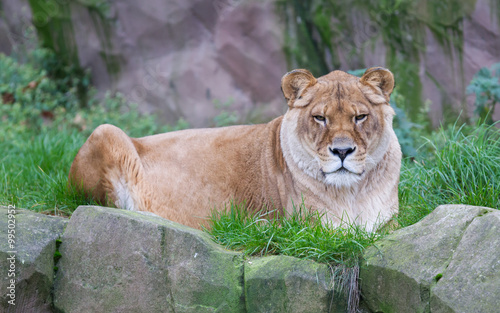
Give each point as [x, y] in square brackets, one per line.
[342, 171]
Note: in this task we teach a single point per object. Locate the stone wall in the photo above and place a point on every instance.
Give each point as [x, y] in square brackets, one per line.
[481, 43]
[121, 261]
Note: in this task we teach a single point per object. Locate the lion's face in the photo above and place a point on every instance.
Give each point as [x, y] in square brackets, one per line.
[337, 126]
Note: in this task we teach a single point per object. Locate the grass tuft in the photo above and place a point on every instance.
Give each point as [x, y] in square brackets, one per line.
[300, 234]
[461, 166]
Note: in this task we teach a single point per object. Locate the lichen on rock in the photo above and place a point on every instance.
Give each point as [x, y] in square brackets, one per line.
[417, 268]
[121, 260]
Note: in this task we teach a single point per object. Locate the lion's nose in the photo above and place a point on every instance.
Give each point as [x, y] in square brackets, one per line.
[342, 153]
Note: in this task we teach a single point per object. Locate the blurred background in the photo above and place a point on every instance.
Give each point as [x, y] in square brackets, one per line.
[223, 59]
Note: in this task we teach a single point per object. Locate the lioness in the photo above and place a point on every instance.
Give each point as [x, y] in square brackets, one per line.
[334, 148]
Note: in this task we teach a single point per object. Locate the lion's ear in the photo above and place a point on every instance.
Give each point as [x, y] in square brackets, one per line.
[295, 82]
[379, 78]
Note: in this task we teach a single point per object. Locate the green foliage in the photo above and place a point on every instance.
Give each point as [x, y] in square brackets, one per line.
[54, 27]
[30, 86]
[226, 117]
[486, 87]
[460, 166]
[52, 20]
[409, 131]
[43, 126]
[300, 234]
[57, 255]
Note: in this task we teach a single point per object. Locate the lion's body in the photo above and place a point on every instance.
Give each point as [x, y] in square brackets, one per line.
[184, 175]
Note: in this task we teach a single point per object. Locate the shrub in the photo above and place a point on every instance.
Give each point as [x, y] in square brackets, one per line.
[486, 87]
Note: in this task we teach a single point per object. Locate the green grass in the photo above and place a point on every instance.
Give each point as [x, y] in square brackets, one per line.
[300, 234]
[457, 165]
[34, 171]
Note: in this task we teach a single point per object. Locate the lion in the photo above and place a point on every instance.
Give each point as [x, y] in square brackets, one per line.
[334, 149]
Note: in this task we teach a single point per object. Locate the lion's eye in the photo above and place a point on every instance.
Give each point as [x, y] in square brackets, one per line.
[361, 117]
[319, 118]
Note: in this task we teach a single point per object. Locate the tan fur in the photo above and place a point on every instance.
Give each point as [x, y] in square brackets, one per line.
[183, 175]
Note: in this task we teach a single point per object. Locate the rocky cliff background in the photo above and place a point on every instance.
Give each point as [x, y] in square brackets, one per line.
[196, 59]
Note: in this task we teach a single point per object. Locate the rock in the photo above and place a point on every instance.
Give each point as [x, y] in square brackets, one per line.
[35, 245]
[481, 43]
[471, 283]
[287, 284]
[116, 260]
[180, 58]
[401, 269]
[122, 261]
[15, 26]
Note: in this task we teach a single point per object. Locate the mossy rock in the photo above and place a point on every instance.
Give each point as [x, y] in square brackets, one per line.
[121, 261]
[405, 270]
[35, 245]
[288, 284]
[471, 282]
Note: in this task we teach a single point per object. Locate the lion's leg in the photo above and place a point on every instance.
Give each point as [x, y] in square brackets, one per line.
[109, 169]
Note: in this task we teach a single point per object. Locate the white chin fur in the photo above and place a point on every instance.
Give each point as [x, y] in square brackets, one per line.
[341, 179]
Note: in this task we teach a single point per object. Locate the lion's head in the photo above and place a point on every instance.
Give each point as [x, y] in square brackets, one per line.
[338, 127]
